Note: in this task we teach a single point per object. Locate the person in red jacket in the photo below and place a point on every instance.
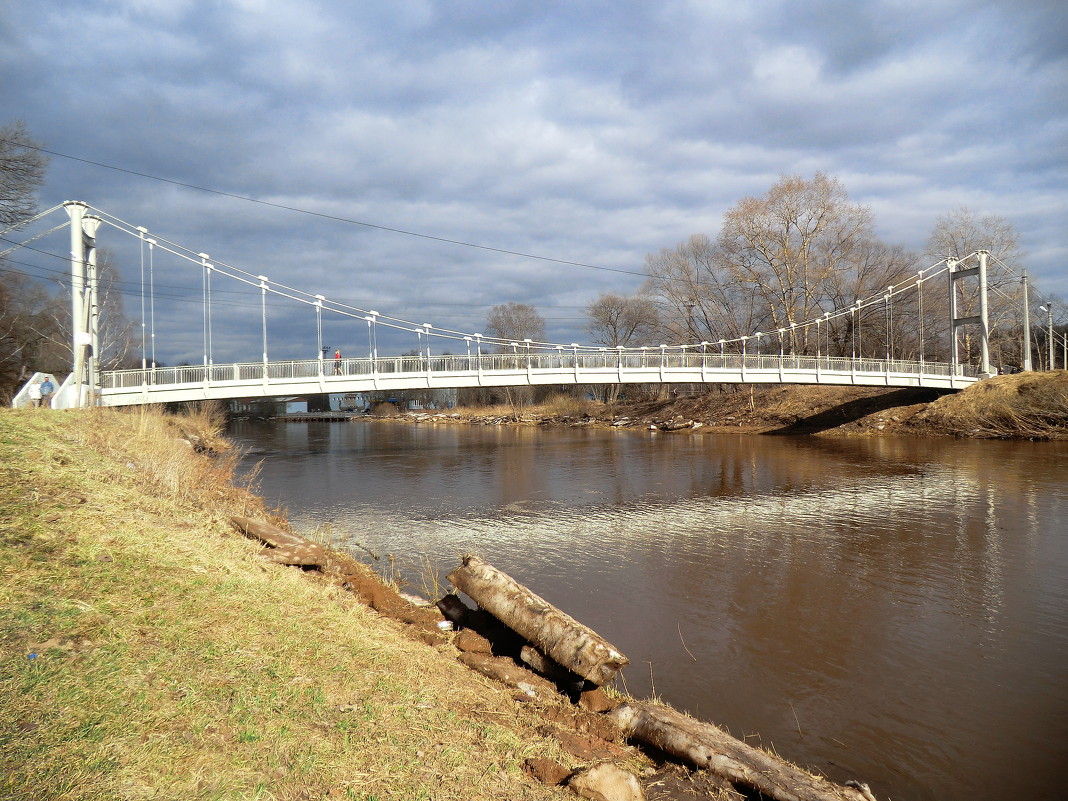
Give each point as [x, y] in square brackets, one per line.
[337, 362]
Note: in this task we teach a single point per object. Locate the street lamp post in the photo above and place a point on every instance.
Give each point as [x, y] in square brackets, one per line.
[1026, 365]
[319, 330]
[263, 306]
[374, 335]
[207, 310]
[370, 340]
[1049, 332]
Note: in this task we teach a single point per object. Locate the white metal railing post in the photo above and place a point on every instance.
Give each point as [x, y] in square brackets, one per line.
[478, 348]
[743, 358]
[663, 354]
[704, 362]
[530, 372]
[619, 362]
[574, 348]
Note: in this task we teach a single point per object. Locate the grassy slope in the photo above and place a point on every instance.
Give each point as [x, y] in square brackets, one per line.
[171, 662]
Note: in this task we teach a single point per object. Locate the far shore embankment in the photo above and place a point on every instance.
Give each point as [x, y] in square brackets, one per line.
[1022, 406]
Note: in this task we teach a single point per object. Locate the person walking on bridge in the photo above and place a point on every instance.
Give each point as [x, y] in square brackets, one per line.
[337, 362]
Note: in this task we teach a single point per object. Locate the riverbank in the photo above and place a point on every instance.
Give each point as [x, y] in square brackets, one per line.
[1021, 406]
[151, 651]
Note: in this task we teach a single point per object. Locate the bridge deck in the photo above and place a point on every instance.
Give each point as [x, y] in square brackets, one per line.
[313, 376]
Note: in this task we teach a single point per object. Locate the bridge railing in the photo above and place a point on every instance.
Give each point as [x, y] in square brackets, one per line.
[652, 359]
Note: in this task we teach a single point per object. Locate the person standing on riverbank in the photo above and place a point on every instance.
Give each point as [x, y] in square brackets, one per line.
[47, 388]
[34, 393]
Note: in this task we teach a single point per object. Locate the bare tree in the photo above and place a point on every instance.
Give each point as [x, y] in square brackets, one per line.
[621, 320]
[698, 298]
[116, 330]
[792, 242]
[22, 169]
[515, 322]
[800, 250]
[25, 333]
[963, 231]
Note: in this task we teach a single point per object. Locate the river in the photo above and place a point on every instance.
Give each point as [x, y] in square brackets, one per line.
[890, 610]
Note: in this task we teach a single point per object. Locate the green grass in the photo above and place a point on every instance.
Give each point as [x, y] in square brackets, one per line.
[170, 661]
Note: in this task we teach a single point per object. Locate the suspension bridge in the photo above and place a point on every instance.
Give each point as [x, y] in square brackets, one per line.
[485, 361]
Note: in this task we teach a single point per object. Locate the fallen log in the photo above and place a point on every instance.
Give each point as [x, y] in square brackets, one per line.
[556, 634]
[550, 668]
[265, 532]
[709, 747]
[284, 548]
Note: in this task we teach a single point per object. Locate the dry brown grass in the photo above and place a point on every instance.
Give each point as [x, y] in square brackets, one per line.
[149, 652]
[1031, 405]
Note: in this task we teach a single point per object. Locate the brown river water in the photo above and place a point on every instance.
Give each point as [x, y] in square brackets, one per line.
[888, 610]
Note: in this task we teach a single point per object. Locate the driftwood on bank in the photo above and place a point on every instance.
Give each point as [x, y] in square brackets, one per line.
[287, 549]
[706, 746]
[556, 634]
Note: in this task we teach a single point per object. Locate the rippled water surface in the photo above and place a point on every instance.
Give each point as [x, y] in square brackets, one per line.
[889, 610]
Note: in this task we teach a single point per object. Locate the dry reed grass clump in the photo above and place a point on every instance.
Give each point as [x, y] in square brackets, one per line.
[1032, 405]
[149, 652]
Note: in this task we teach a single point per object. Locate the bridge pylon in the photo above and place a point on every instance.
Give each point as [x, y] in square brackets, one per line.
[85, 304]
[957, 273]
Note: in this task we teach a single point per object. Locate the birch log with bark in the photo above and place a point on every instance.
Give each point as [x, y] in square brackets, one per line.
[555, 633]
[709, 747]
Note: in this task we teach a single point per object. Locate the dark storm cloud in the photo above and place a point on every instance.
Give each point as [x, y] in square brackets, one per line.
[589, 132]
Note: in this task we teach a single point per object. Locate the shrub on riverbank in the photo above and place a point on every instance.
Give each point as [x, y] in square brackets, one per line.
[150, 652]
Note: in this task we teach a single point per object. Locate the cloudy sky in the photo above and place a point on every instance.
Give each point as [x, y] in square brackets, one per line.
[583, 133]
